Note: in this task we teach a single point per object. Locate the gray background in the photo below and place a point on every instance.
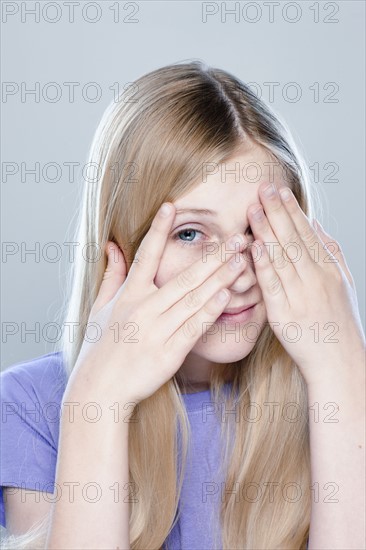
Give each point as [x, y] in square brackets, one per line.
[315, 49]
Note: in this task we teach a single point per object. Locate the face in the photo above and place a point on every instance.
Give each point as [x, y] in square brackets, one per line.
[229, 198]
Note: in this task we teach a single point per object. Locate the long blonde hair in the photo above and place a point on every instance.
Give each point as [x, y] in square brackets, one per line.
[149, 148]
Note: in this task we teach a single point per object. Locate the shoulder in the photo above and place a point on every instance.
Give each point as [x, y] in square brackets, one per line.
[31, 394]
[42, 377]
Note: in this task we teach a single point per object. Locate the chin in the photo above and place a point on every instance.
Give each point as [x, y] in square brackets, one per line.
[223, 352]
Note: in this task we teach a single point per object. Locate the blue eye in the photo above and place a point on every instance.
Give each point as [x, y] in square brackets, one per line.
[176, 236]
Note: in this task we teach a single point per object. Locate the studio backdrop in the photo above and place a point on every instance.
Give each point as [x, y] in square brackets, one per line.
[64, 62]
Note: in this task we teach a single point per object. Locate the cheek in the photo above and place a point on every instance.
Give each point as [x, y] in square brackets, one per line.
[170, 265]
[163, 275]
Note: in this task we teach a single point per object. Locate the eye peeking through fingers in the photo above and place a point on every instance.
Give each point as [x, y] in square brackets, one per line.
[187, 232]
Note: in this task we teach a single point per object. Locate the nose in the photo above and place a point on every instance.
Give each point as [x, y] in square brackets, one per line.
[247, 278]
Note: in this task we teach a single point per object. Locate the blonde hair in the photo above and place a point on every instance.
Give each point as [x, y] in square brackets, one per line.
[150, 148]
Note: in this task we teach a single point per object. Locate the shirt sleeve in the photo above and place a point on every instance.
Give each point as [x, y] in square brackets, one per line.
[30, 415]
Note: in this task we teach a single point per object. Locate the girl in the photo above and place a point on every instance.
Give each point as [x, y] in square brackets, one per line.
[211, 391]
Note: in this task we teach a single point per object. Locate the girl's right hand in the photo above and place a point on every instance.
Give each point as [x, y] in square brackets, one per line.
[146, 331]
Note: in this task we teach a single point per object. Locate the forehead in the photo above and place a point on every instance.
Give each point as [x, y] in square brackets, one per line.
[234, 182]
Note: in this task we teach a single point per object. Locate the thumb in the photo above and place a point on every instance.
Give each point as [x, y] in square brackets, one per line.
[113, 278]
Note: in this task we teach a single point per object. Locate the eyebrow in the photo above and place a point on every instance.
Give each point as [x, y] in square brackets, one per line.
[202, 211]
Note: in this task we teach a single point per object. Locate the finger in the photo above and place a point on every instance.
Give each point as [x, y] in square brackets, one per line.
[147, 259]
[277, 254]
[195, 300]
[188, 281]
[184, 339]
[274, 294]
[334, 249]
[113, 277]
[285, 231]
[313, 243]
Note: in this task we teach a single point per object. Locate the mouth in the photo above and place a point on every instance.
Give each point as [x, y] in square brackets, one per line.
[237, 315]
[235, 310]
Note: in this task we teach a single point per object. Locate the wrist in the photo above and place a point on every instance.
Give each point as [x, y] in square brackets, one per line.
[85, 389]
[343, 385]
[349, 370]
[93, 406]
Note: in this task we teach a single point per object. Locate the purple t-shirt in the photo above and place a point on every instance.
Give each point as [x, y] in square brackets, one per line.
[31, 394]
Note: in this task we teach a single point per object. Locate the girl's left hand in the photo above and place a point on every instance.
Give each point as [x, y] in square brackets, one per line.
[307, 288]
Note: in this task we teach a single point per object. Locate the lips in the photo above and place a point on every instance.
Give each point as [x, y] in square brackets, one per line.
[235, 310]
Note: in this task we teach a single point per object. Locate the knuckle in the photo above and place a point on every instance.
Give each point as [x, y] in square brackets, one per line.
[308, 235]
[274, 286]
[186, 278]
[292, 239]
[189, 328]
[191, 300]
[280, 261]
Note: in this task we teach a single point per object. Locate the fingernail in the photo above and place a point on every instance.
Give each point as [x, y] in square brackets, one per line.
[269, 191]
[237, 239]
[165, 210]
[258, 214]
[285, 193]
